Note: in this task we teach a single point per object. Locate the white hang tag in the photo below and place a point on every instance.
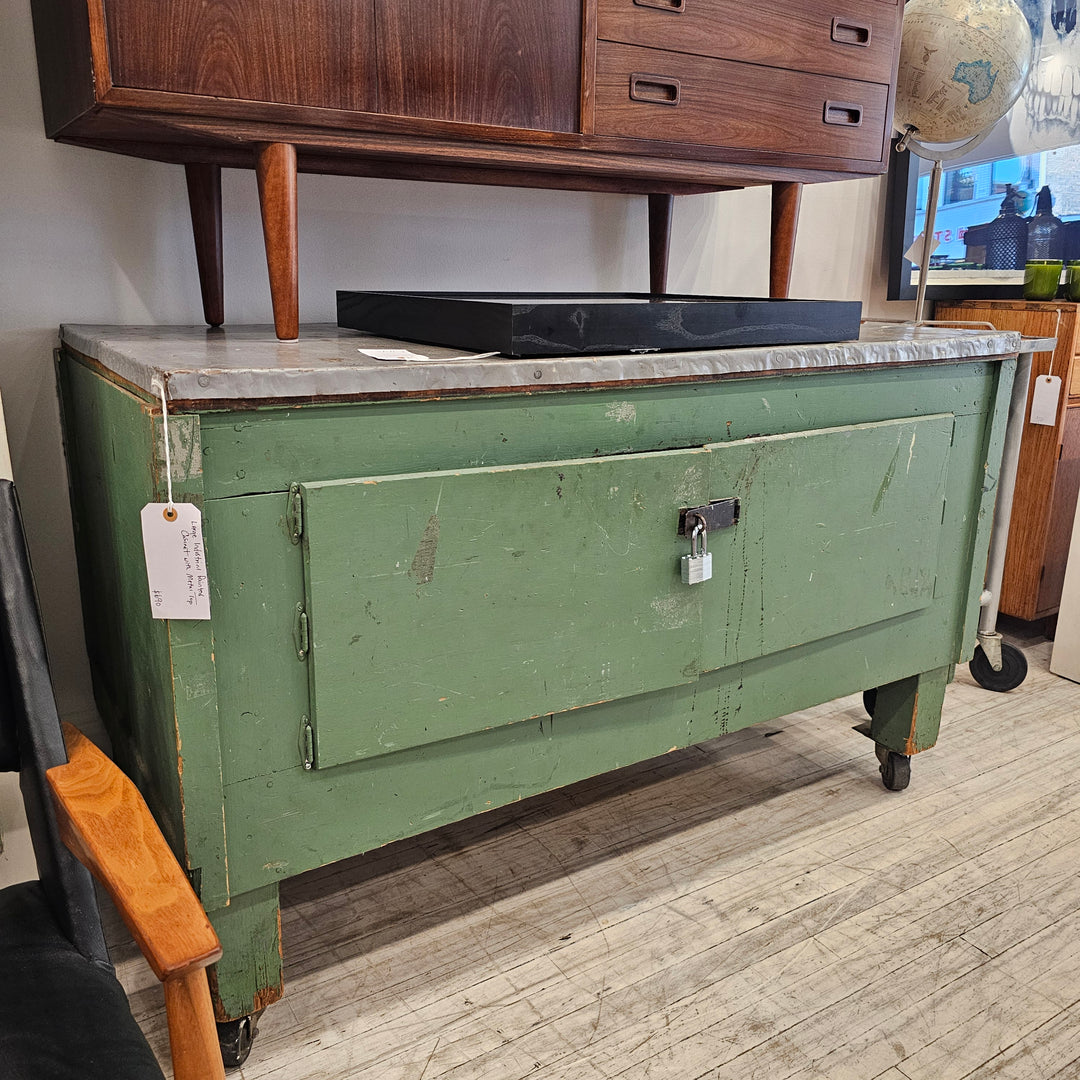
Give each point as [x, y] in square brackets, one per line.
[914, 253]
[405, 354]
[392, 354]
[175, 561]
[1044, 401]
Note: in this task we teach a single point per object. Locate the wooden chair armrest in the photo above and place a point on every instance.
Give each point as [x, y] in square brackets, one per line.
[106, 824]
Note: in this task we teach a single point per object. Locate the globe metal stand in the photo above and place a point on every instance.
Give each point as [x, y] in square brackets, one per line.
[996, 664]
[937, 155]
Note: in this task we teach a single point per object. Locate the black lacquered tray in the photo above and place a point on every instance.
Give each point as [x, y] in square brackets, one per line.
[572, 324]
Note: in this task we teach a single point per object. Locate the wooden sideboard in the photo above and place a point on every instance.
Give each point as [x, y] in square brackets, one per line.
[658, 97]
[1048, 475]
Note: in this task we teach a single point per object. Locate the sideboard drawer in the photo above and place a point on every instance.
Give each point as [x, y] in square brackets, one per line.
[665, 96]
[855, 39]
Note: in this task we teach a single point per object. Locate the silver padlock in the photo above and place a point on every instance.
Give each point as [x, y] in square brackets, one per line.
[697, 566]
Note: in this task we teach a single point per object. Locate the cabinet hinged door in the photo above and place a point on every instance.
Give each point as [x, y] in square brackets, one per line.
[445, 603]
[448, 602]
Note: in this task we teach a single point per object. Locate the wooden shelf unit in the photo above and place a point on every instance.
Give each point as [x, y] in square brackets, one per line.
[1048, 478]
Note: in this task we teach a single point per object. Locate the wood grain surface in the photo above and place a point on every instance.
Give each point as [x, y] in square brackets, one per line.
[1042, 516]
[105, 822]
[505, 62]
[851, 38]
[204, 199]
[728, 104]
[700, 916]
[1062, 511]
[786, 200]
[247, 49]
[660, 212]
[470, 91]
[275, 168]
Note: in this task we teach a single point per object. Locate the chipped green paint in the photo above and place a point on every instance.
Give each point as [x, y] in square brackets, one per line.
[225, 704]
[423, 564]
[884, 489]
[155, 681]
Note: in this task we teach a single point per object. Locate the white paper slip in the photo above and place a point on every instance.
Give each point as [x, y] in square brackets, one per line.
[175, 561]
[1044, 400]
[392, 354]
[405, 354]
[914, 253]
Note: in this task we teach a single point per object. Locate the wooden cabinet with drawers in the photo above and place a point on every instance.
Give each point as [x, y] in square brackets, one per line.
[658, 97]
[1048, 477]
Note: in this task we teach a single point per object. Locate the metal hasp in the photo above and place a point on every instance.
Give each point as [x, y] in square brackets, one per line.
[717, 514]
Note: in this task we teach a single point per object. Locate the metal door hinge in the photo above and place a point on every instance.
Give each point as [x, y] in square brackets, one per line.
[301, 633]
[194, 875]
[294, 514]
[307, 743]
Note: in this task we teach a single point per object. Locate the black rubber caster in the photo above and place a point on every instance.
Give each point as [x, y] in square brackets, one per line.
[869, 700]
[235, 1038]
[895, 768]
[1014, 669]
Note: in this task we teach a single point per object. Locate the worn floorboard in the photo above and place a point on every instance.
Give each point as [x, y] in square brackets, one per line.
[757, 907]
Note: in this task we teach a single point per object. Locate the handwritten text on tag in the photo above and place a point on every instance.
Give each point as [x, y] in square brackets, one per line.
[175, 561]
[1044, 400]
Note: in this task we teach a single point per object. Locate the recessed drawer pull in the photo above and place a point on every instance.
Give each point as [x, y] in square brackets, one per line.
[677, 6]
[843, 113]
[655, 89]
[845, 32]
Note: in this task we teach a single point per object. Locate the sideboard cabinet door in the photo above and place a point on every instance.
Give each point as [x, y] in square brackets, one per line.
[246, 49]
[503, 62]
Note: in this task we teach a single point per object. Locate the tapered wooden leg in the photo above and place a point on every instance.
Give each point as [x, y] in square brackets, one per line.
[275, 166]
[193, 1035]
[785, 221]
[660, 207]
[204, 198]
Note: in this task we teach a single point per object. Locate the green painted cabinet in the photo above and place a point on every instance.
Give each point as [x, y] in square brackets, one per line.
[433, 598]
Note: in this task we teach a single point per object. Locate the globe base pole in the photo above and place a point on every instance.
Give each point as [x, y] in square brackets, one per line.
[928, 239]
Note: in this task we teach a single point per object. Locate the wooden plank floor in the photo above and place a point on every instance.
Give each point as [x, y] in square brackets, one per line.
[758, 907]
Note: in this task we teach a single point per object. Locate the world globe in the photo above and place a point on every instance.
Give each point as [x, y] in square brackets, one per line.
[962, 65]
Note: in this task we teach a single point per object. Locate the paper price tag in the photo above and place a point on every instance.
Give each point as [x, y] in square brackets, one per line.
[175, 561]
[405, 354]
[392, 354]
[914, 253]
[1044, 400]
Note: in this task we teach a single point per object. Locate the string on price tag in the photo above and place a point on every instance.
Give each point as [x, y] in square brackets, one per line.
[173, 547]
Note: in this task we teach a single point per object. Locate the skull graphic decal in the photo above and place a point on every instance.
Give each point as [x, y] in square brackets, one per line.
[1048, 113]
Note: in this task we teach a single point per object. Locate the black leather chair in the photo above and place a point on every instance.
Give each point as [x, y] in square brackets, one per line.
[62, 1011]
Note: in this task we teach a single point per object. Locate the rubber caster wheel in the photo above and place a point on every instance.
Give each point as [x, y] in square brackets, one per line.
[869, 700]
[235, 1038]
[895, 769]
[1014, 669]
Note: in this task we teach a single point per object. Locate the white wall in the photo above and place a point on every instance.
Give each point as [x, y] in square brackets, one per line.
[93, 237]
